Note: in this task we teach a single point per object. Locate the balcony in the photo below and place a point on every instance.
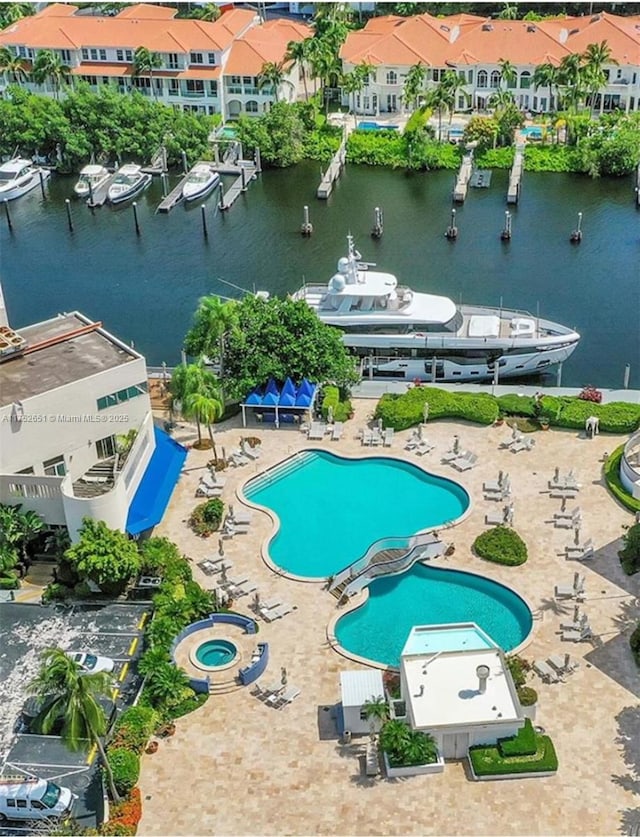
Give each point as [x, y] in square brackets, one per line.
[618, 82]
[193, 94]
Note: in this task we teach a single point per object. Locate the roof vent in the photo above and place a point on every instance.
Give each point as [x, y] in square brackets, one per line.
[483, 673]
[573, 31]
[487, 27]
[596, 18]
[531, 27]
[444, 28]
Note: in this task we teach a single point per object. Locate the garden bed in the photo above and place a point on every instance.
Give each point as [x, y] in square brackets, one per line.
[526, 754]
[412, 770]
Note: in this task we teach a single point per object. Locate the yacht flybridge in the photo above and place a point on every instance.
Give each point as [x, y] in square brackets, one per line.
[400, 333]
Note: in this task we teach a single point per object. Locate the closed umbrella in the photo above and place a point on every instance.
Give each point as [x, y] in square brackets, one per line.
[220, 548]
[576, 530]
[556, 474]
[230, 512]
[425, 411]
[283, 676]
[456, 444]
[330, 415]
[501, 478]
[256, 600]
[223, 574]
[514, 431]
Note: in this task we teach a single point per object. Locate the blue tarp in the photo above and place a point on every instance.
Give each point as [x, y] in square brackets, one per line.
[157, 484]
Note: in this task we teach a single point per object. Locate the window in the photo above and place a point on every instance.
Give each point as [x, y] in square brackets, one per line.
[482, 78]
[26, 471]
[248, 80]
[106, 447]
[366, 103]
[211, 58]
[435, 74]
[11, 803]
[236, 80]
[196, 58]
[119, 55]
[251, 106]
[85, 54]
[121, 396]
[90, 79]
[94, 54]
[470, 77]
[195, 85]
[172, 61]
[213, 88]
[392, 77]
[22, 803]
[128, 54]
[174, 87]
[37, 805]
[103, 54]
[363, 715]
[512, 82]
[22, 52]
[495, 79]
[65, 54]
[525, 80]
[54, 467]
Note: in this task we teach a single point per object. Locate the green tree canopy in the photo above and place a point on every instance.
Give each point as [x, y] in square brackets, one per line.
[104, 556]
[279, 338]
[279, 134]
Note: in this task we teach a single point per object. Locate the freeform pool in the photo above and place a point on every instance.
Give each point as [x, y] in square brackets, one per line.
[331, 509]
[430, 596]
[214, 654]
[376, 126]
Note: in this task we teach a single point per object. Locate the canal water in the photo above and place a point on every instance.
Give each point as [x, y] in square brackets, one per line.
[146, 288]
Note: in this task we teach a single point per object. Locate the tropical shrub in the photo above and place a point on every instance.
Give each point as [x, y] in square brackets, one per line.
[189, 704]
[558, 158]
[522, 744]
[133, 728]
[206, 518]
[481, 129]
[614, 483]
[167, 687]
[495, 158]
[518, 668]
[9, 582]
[634, 642]
[105, 556]
[377, 148]
[630, 553]
[125, 765]
[516, 405]
[341, 409]
[406, 747]
[527, 696]
[160, 556]
[502, 546]
[55, 592]
[124, 817]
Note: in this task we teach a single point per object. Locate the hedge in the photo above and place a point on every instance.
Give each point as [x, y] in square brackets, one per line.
[523, 743]
[403, 411]
[615, 417]
[134, 728]
[502, 546]
[614, 483]
[527, 696]
[341, 409]
[487, 761]
[125, 765]
[516, 405]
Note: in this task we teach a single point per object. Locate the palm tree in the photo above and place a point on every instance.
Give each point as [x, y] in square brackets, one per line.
[376, 711]
[167, 685]
[272, 75]
[546, 75]
[205, 407]
[351, 84]
[12, 12]
[571, 76]
[209, 12]
[501, 99]
[144, 63]
[414, 84]
[595, 57]
[508, 73]
[70, 694]
[298, 52]
[11, 66]
[453, 85]
[49, 67]
[213, 321]
[31, 524]
[439, 99]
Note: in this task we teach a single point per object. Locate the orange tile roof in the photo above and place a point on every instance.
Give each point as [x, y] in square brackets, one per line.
[98, 68]
[42, 31]
[58, 10]
[260, 44]
[622, 35]
[147, 11]
[205, 73]
[518, 41]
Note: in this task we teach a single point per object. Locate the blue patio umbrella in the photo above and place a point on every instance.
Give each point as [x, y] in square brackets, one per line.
[307, 388]
[289, 388]
[271, 388]
[254, 398]
[288, 395]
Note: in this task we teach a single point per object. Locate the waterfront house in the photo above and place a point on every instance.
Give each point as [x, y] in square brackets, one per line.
[474, 47]
[77, 437]
[193, 74]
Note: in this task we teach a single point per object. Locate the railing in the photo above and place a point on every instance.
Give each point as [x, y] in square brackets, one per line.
[418, 552]
[381, 545]
[193, 94]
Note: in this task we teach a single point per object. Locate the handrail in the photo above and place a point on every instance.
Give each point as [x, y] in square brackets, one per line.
[409, 557]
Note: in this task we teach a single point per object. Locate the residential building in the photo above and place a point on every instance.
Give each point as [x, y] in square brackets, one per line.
[193, 73]
[474, 47]
[77, 437]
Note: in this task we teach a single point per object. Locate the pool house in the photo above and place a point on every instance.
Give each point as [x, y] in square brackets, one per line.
[455, 685]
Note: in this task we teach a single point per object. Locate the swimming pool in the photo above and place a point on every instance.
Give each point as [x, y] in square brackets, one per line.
[331, 508]
[532, 131]
[431, 596]
[376, 126]
[214, 654]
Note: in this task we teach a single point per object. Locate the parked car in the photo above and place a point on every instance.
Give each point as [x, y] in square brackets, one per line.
[92, 663]
[33, 799]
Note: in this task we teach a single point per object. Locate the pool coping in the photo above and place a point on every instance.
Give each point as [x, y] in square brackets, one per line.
[360, 599]
[275, 520]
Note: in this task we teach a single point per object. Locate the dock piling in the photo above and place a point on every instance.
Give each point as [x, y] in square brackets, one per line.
[559, 375]
[258, 160]
[627, 374]
[307, 227]
[90, 193]
[8, 214]
[185, 165]
[378, 223]
[41, 183]
[452, 230]
[203, 210]
[164, 177]
[243, 179]
[576, 235]
[67, 203]
[505, 235]
[134, 206]
[221, 193]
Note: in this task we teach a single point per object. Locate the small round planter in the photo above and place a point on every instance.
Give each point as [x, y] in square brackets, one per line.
[151, 748]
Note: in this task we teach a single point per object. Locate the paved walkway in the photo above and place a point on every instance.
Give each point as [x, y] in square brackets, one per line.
[237, 767]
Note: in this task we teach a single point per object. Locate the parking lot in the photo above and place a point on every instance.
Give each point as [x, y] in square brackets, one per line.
[112, 630]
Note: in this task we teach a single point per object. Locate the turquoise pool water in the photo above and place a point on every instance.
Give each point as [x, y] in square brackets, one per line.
[216, 652]
[430, 596]
[532, 131]
[331, 509]
[376, 126]
[446, 639]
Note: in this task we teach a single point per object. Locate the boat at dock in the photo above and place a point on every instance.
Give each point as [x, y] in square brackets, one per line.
[19, 176]
[199, 182]
[129, 181]
[91, 178]
[400, 333]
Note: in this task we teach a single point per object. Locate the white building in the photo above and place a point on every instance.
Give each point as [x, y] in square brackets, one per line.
[456, 686]
[358, 687]
[70, 393]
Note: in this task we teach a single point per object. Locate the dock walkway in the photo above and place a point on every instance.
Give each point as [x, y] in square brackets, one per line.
[463, 178]
[334, 169]
[246, 169]
[100, 194]
[515, 176]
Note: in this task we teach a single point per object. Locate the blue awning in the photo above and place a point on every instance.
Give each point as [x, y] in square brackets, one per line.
[157, 484]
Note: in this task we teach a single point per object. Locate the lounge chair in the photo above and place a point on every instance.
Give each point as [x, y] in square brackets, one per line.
[336, 433]
[277, 612]
[567, 514]
[287, 697]
[388, 437]
[582, 551]
[423, 447]
[523, 444]
[545, 672]
[268, 605]
[563, 663]
[366, 438]
[251, 453]
[568, 591]
[208, 567]
[317, 430]
[564, 493]
[413, 441]
[222, 566]
[494, 519]
[567, 521]
[206, 491]
[242, 516]
[576, 634]
[376, 438]
[450, 455]
[247, 587]
[492, 487]
[465, 462]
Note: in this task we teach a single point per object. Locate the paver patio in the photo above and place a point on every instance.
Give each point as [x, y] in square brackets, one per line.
[236, 766]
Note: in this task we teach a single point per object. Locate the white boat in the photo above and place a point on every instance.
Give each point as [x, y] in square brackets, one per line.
[19, 176]
[200, 181]
[403, 334]
[129, 181]
[91, 178]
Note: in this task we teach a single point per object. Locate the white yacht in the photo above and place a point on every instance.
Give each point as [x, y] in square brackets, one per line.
[91, 178]
[200, 181]
[19, 176]
[400, 333]
[129, 181]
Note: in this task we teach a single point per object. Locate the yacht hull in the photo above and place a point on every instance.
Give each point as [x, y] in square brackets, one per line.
[191, 193]
[26, 185]
[116, 197]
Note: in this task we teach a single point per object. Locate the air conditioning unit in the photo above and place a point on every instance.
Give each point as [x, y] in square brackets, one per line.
[487, 27]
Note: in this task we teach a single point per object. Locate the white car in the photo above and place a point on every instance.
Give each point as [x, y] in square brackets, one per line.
[91, 663]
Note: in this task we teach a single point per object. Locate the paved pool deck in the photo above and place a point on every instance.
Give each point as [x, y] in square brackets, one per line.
[236, 766]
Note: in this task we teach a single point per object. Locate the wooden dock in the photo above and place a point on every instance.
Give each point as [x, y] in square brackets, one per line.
[100, 194]
[175, 195]
[334, 170]
[515, 176]
[463, 178]
[246, 170]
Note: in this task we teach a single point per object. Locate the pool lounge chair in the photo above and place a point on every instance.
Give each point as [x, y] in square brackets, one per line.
[565, 591]
[450, 455]
[581, 552]
[563, 663]
[545, 672]
[522, 444]
[208, 567]
[577, 634]
[413, 441]
[463, 463]
[287, 697]
[376, 438]
[206, 491]
[388, 437]
[223, 565]
[336, 433]
[423, 447]
[495, 518]
[366, 438]
[317, 430]
[277, 612]
[251, 453]
[268, 605]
